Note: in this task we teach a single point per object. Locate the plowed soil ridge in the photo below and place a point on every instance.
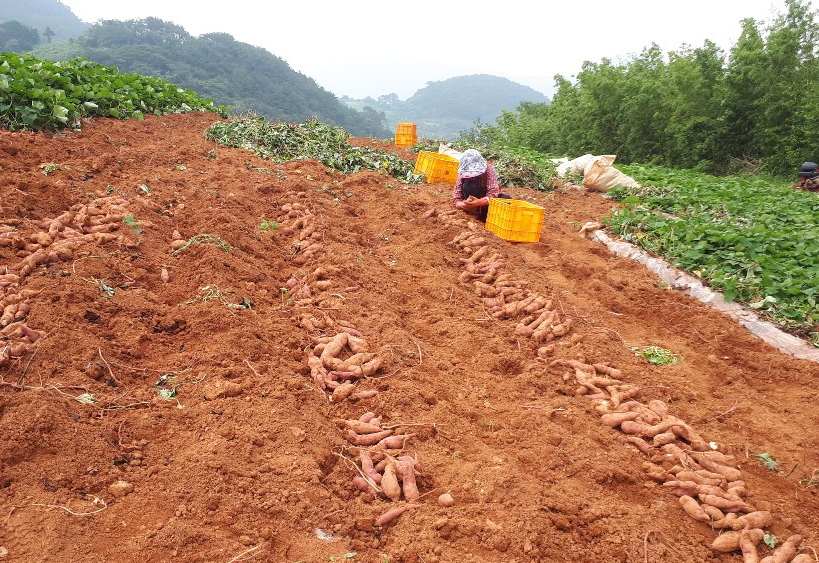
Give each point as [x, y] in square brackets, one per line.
[243, 459]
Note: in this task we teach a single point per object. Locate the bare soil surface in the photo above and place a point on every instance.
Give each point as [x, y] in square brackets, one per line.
[162, 401]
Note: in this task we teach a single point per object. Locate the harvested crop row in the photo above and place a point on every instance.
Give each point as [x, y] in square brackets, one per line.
[340, 356]
[706, 481]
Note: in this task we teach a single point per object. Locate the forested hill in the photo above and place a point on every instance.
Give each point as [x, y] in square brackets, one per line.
[43, 15]
[248, 78]
[445, 108]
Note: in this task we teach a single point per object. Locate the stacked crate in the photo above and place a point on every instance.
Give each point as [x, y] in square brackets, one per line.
[405, 135]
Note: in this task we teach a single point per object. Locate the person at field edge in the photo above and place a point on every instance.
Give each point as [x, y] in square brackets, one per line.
[476, 185]
[808, 177]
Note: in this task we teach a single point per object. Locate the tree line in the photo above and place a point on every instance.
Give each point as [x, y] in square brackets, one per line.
[754, 109]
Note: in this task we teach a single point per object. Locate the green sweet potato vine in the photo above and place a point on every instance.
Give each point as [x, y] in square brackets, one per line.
[750, 238]
[43, 95]
[313, 140]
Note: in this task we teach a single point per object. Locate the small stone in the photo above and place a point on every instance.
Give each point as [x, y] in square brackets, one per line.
[3, 552]
[121, 488]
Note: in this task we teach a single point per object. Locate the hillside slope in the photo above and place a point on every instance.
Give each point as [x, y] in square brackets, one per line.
[42, 14]
[169, 409]
[231, 72]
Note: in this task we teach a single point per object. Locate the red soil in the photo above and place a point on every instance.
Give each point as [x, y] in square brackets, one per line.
[247, 463]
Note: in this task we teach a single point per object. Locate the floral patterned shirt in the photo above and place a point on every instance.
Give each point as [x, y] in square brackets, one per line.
[488, 178]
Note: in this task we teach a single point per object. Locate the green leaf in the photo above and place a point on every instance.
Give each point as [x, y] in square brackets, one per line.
[767, 461]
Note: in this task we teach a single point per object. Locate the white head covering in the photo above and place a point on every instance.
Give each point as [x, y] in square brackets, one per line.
[472, 164]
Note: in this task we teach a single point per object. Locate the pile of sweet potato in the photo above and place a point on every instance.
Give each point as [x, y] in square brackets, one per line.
[337, 362]
[706, 481]
[303, 225]
[385, 469]
[504, 297]
[55, 240]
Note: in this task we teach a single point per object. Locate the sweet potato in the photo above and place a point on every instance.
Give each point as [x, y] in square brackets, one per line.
[758, 519]
[410, 487]
[656, 472]
[359, 427]
[389, 483]
[687, 475]
[693, 508]
[362, 394]
[363, 485]
[395, 442]
[724, 504]
[31, 334]
[342, 391]
[563, 328]
[391, 515]
[367, 416]
[748, 547]
[369, 368]
[719, 492]
[334, 348]
[608, 370]
[640, 444]
[658, 407]
[8, 314]
[22, 310]
[787, 551]
[730, 473]
[356, 343]
[613, 420]
[368, 468]
[367, 439]
[729, 541]
[633, 428]
[682, 488]
[713, 512]
[803, 558]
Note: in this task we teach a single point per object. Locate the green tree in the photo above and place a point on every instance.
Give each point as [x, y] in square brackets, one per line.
[16, 37]
[745, 90]
[784, 127]
[48, 34]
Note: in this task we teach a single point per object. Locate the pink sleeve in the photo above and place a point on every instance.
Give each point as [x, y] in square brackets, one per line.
[456, 193]
[492, 186]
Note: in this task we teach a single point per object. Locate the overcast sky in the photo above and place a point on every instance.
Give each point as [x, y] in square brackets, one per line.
[363, 48]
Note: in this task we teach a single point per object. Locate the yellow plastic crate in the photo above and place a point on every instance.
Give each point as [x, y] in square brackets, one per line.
[402, 140]
[406, 129]
[437, 167]
[515, 220]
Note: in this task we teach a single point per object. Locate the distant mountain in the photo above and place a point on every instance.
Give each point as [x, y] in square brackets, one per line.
[42, 14]
[215, 65]
[442, 110]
